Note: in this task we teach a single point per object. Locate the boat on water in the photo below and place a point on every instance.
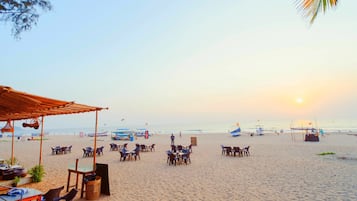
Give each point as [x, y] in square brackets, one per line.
[101, 134]
[123, 134]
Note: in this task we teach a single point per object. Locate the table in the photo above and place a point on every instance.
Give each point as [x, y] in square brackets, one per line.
[179, 155]
[84, 171]
[32, 194]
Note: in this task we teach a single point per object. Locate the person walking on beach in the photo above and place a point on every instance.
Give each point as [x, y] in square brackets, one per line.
[172, 139]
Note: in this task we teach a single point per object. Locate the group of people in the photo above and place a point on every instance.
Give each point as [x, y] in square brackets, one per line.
[126, 152]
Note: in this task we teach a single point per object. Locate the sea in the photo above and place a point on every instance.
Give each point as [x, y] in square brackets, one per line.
[268, 126]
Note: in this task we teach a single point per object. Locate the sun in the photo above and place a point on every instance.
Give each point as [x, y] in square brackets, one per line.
[299, 100]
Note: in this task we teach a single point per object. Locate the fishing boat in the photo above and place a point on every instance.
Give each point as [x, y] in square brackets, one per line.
[123, 134]
[236, 132]
[101, 134]
[140, 132]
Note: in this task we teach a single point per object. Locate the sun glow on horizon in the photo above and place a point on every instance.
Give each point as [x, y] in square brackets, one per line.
[299, 100]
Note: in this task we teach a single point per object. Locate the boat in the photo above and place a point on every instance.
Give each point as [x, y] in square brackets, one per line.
[236, 132]
[123, 134]
[101, 134]
[259, 129]
[140, 132]
[39, 134]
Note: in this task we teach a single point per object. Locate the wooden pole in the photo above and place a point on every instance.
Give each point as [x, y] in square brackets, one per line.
[77, 177]
[41, 139]
[95, 139]
[12, 145]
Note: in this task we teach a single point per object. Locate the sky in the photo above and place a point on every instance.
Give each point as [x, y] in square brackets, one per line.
[187, 62]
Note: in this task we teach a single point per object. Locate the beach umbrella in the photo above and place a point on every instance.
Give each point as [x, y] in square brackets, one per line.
[16, 105]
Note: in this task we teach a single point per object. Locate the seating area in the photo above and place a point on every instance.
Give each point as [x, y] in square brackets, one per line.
[117, 147]
[235, 151]
[89, 151]
[61, 149]
[114, 147]
[147, 148]
[127, 155]
[179, 154]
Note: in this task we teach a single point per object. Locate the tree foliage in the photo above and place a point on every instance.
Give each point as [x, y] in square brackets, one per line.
[310, 8]
[37, 173]
[22, 13]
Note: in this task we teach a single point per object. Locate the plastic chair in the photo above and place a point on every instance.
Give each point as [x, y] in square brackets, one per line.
[246, 151]
[152, 147]
[136, 154]
[172, 158]
[99, 150]
[69, 196]
[237, 150]
[53, 193]
[122, 156]
[69, 149]
[223, 149]
[186, 158]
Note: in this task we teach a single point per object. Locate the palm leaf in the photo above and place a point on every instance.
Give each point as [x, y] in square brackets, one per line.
[310, 8]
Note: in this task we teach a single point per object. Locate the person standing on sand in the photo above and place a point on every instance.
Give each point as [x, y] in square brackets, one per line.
[172, 139]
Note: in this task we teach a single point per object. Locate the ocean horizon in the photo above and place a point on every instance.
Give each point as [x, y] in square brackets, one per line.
[273, 126]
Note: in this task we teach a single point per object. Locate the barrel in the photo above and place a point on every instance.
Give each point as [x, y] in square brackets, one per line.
[93, 189]
[194, 141]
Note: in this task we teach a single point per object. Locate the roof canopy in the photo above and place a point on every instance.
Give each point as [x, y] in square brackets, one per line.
[16, 105]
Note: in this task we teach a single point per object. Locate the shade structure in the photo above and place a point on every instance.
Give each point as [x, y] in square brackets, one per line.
[16, 105]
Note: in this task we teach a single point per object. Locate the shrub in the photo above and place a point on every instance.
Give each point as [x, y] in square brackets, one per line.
[37, 173]
[16, 181]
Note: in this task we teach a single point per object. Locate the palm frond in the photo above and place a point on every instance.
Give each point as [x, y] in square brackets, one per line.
[311, 8]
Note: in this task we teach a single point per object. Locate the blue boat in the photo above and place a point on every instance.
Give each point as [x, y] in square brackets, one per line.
[123, 134]
[140, 132]
[260, 130]
[236, 132]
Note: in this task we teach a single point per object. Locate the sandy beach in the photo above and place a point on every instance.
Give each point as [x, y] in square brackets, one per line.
[280, 167]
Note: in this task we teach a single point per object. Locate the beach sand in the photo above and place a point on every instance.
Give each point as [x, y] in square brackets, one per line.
[280, 167]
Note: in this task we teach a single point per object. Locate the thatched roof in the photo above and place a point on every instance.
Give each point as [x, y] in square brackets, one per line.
[16, 105]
